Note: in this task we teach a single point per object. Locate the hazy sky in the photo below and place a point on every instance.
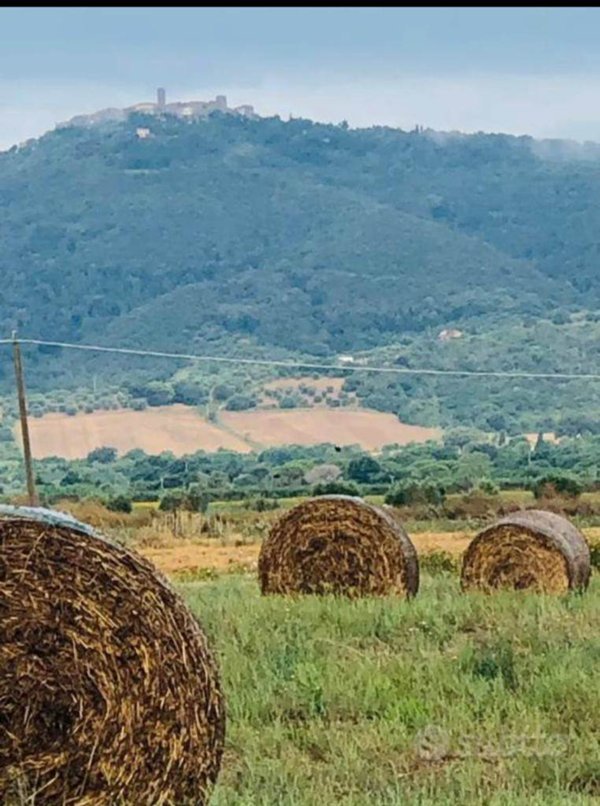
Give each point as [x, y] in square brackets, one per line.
[519, 70]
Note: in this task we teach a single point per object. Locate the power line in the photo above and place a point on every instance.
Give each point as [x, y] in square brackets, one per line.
[310, 365]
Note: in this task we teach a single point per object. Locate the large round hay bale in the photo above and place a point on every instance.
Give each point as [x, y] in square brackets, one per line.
[341, 545]
[531, 549]
[109, 693]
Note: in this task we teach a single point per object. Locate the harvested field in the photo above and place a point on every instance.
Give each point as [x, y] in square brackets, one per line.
[182, 556]
[369, 429]
[182, 430]
[185, 556]
[176, 428]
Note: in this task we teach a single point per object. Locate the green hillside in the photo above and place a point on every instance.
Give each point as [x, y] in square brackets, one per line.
[232, 234]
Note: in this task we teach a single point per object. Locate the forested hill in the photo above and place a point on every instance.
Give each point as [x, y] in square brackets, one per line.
[311, 237]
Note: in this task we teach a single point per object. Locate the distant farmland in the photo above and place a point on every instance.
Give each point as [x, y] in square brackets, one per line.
[370, 429]
[181, 429]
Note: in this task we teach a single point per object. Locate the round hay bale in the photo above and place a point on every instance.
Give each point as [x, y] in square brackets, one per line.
[109, 693]
[531, 549]
[341, 545]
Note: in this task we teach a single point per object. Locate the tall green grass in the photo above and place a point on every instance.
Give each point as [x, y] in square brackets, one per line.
[448, 699]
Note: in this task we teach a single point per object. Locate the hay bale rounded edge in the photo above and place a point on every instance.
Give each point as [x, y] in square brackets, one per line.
[531, 549]
[109, 693]
[340, 545]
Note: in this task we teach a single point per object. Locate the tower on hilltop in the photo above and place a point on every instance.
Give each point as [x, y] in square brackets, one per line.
[161, 97]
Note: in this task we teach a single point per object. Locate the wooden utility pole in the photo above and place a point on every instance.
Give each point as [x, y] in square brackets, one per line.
[31, 491]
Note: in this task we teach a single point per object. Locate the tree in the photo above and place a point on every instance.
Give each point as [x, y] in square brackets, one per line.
[556, 484]
[159, 393]
[336, 488]
[322, 474]
[411, 493]
[191, 392]
[364, 469]
[240, 403]
[120, 503]
[222, 391]
[196, 499]
[103, 456]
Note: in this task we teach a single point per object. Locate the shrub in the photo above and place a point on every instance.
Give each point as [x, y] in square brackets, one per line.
[595, 556]
[439, 562]
[553, 485]
[103, 455]
[488, 486]
[222, 391]
[120, 503]
[336, 488]
[196, 499]
[170, 502]
[475, 504]
[193, 500]
[261, 504]
[410, 493]
[240, 403]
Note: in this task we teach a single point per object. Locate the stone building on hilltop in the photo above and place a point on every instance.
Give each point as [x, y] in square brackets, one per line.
[182, 109]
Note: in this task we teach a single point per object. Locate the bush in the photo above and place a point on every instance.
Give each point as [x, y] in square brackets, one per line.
[222, 391]
[336, 488]
[240, 403]
[261, 504]
[120, 503]
[475, 504]
[103, 455]
[439, 562]
[488, 486]
[159, 393]
[410, 493]
[595, 556]
[194, 500]
[557, 485]
[6, 434]
[288, 402]
[170, 502]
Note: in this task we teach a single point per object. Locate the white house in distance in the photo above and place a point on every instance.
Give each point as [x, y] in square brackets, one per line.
[449, 333]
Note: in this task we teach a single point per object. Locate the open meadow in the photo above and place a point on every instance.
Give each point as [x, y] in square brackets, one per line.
[449, 698]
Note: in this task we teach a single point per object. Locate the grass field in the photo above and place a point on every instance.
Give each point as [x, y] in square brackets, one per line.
[448, 699]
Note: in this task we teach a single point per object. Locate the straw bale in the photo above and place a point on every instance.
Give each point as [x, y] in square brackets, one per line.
[341, 545]
[531, 549]
[109, 693]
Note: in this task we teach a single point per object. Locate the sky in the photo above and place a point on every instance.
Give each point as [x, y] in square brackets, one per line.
[518, 70]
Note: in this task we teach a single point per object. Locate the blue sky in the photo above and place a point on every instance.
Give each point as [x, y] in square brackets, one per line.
[519, 70]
